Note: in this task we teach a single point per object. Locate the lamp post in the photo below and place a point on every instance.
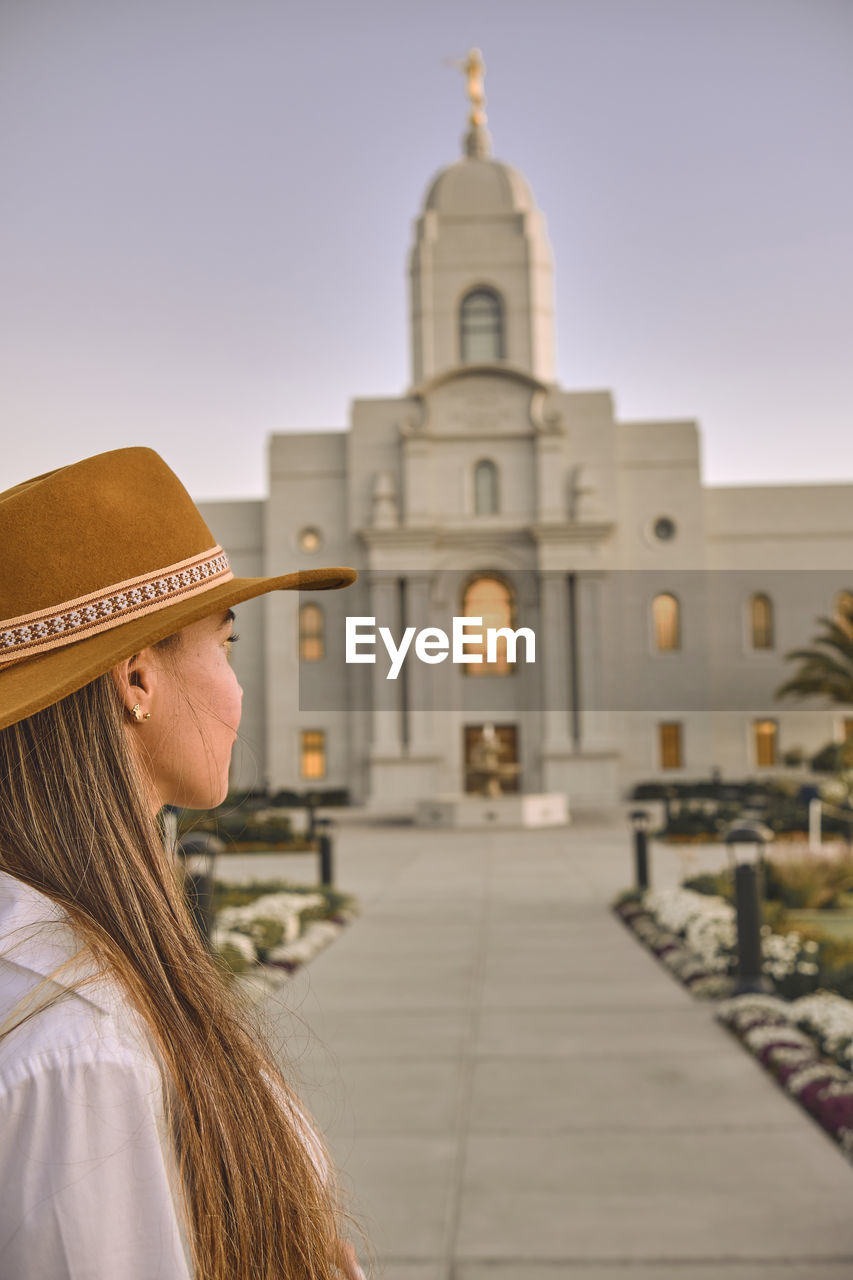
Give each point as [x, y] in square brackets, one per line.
[640, 822]
[324, 845]
[310, 801]
[198, 852]
[745, 846]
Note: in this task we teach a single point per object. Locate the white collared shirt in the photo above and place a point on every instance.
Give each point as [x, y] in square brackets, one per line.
[88, 1182]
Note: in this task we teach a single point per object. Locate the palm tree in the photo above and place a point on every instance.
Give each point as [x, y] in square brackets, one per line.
[826, 669]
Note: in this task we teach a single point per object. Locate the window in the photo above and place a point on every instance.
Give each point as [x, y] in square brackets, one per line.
[667, 622]
[485, 488]
[312, 756]
[310, 633]
[847, 729]
[761, 621]
[491, 599]
[765, 736]
[481, 338]
[664, 529]
[669, 745]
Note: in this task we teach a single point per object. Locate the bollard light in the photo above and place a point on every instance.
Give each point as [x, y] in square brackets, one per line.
[640, 821]
[325, 849]
[745, 848]
[197, 852]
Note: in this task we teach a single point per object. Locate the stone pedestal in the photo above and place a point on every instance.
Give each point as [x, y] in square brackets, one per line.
[546, 810]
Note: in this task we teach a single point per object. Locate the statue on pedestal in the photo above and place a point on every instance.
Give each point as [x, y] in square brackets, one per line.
[486, 764]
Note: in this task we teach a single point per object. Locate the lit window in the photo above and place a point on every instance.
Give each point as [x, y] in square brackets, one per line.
[669, 745]
[313, 754]
[492, 600]
[310, 633]
[761, 617]
[847, 729]
[481, 327]
[766, 735]
[665, 612]
[309, 539]
[485, 488]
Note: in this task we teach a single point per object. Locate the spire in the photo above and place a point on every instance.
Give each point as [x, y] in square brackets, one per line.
[477, 141]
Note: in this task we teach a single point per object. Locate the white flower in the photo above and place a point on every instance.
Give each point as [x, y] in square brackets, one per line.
[829, 1015]
[219, 938]
[759, 1037]
[814, 1071]
[286, 908]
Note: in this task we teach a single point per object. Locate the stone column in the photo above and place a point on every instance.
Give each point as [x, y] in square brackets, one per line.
[421, 675]
[384, 607]
[554, 650]
[595, 713]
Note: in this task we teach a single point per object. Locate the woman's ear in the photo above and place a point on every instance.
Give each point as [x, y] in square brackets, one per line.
[136, 681]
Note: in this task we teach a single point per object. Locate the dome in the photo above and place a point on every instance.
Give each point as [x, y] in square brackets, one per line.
[475, 186]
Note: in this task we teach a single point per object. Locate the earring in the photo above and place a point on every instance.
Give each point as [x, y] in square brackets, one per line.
[137, 714]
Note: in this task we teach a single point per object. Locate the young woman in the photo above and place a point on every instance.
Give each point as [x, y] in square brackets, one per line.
[146, 1131]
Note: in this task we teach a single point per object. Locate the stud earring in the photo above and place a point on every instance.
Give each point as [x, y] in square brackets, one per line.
[137, 714]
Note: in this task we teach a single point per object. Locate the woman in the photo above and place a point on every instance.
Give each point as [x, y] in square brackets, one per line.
[145, 1130]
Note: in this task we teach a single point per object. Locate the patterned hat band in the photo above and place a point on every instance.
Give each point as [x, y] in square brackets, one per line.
[101, 610]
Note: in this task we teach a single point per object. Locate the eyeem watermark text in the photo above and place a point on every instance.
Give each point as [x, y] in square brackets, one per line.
[433, 645]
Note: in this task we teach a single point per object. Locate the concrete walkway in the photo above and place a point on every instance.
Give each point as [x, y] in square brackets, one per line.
[516, 1089]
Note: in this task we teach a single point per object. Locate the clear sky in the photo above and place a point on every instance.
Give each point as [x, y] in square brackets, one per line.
[207, 207]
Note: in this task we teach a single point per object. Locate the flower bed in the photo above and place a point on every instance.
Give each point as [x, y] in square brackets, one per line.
[275, 924]
[787, 1038]
[806, 1042]
[695, 936]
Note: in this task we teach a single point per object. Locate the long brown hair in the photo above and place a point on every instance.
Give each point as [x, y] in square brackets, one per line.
[75, 825]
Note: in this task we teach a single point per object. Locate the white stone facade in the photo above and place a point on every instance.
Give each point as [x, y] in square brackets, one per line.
[576, 535]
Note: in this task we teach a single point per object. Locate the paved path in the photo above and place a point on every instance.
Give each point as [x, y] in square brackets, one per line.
[517, 1090]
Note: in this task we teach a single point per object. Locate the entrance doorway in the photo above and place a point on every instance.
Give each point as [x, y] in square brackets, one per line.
[507, 755]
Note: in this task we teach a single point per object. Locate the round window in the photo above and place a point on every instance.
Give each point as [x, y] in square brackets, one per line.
[664, 529]
[309, 539]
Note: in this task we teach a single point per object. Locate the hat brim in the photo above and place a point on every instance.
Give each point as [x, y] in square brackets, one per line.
[38, 682]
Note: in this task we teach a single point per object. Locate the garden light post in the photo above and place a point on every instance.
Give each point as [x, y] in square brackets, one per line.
[198, 852]
[745, 846]
[324, 846]
[640, 822]
[310, 800]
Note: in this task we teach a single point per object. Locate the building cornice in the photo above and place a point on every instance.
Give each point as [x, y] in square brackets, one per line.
[571, 533]
[498, 369]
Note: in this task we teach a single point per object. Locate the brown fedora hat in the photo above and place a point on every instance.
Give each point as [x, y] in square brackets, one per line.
[100, 559]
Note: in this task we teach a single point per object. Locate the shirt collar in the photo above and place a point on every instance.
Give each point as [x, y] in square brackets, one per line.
[36, 934]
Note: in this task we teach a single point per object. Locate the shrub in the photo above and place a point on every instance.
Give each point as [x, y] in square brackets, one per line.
[808, 882]
[828, 759]
[708, 883]
[267, 933]
[231, 958]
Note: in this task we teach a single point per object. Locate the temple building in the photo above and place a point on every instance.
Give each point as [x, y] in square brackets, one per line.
[662, 609]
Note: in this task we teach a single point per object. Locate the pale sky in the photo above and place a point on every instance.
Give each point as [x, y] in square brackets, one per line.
[207, 207]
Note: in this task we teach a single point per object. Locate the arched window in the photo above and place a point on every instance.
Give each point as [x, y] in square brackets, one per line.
[761, 621]
[485, 488]
[481, 329]
[667, 622]
[310, 633]
[491, 599]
